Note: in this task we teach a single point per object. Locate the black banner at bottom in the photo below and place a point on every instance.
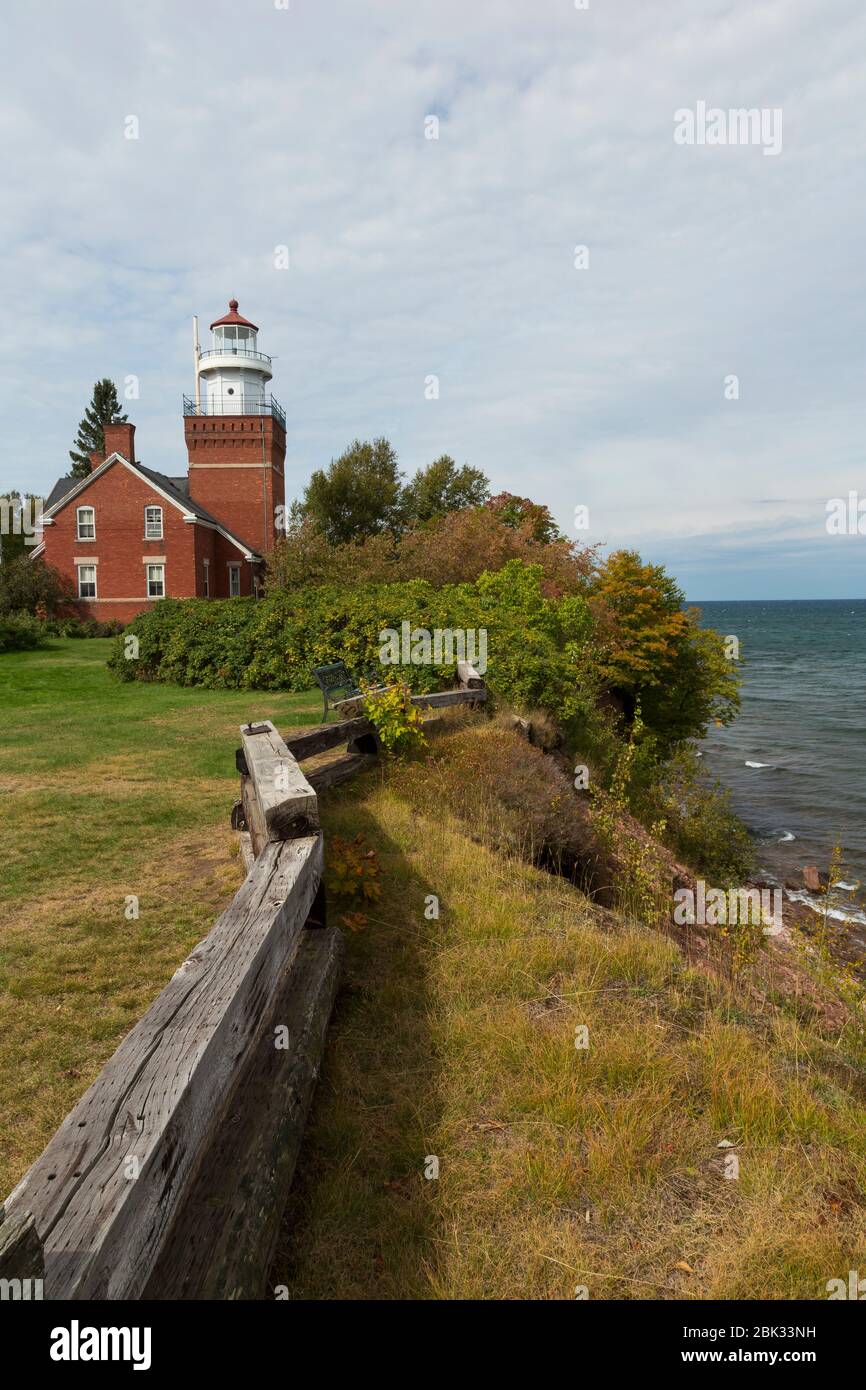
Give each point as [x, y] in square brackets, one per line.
[85, 1339]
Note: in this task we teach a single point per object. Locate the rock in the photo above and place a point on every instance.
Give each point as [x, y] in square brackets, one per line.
[814, 879]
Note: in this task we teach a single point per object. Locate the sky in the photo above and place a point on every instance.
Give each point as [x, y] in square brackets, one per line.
[694, 378]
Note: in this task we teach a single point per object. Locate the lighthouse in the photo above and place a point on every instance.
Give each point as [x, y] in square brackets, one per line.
[235, 431]
[232, 372]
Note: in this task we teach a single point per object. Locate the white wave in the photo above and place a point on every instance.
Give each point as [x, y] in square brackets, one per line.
[847, 887]
[834, 913]
[750, 764]
[786, 836]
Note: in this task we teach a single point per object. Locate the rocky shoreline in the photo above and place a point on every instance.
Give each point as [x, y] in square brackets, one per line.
[813, 908]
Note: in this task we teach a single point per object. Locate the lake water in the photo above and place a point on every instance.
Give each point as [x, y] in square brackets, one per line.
[795, 759]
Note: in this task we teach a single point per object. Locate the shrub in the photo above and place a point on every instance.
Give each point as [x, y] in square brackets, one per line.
[543, 650]
[535, 643]
[353, 870]
[19, 632]
[396, 720]
[28, 586]
[702, 827]
[79, 627]
[454, 549]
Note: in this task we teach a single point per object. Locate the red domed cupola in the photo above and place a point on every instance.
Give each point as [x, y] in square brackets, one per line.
[234, 317]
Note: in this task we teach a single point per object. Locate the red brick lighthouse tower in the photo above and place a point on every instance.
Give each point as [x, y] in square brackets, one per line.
[236, 432]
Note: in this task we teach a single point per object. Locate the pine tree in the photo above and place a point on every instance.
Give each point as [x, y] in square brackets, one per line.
[104, 409]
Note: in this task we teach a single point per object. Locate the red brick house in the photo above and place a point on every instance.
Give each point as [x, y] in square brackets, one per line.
[128, 536]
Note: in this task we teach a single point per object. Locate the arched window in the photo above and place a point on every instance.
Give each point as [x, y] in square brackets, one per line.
[86, 519]
[153, 523]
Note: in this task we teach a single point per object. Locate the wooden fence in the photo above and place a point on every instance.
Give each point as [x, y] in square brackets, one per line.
[169, 1178]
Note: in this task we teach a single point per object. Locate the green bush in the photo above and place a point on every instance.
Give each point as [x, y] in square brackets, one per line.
[79, 627]
[394, 717]
[700, 825]
[31, 586]
[543, 652]
[535, 644]
[19, 632]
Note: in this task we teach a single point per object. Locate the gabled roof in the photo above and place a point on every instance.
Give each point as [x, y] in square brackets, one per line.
[183, 499]
[60, 489]
[174, 490]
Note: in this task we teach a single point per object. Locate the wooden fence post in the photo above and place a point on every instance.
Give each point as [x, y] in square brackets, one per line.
[21, 1257]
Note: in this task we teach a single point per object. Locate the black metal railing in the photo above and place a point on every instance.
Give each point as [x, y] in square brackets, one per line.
[236, 405]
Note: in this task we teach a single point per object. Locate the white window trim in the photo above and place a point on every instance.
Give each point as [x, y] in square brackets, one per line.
[78, 536]
[157, 566]
[152, 507]
[95, 594]
[207, 578]
[233, 565]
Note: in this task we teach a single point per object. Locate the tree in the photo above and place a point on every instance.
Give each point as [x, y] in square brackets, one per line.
[450, 549]
[522, 512]
[703, 687]
[359, 495]
[651, 650]
[442, 487]
[104, 409]
[461, 545]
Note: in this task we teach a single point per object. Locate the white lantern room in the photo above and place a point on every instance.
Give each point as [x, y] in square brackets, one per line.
[232, 372]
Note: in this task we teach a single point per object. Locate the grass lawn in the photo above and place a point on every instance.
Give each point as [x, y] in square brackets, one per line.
[559, 1167]
[108, 790]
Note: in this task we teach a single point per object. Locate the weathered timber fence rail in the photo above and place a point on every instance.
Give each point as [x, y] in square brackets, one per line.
[169, 1177]
[359, 736]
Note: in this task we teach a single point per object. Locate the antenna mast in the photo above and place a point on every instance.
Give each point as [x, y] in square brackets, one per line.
[196, 354]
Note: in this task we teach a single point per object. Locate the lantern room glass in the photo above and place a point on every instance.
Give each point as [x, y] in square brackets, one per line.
[234, 338]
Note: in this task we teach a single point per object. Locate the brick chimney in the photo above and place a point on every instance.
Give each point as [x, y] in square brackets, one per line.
[96, 460]
[120, 439]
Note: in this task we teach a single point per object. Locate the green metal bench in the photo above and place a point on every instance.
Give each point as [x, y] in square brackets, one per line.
[334, 680]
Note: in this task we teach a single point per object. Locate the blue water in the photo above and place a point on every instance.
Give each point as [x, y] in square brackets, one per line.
[804, 717]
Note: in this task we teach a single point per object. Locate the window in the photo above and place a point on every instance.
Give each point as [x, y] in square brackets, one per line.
[153, 523]
[234, 581]
[86, 581]
[86, 523]
[207, 578]
[156, 581]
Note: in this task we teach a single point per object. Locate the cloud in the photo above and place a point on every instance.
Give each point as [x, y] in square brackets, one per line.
[262, 127]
